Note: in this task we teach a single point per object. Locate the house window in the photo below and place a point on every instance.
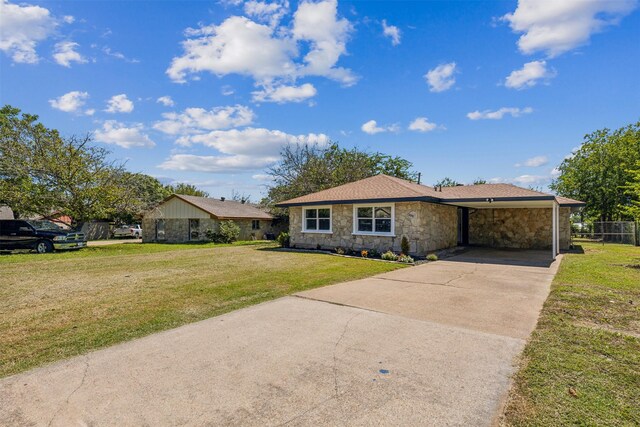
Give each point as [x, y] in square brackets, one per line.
[160, 235]
[374, 219]
[255, 224]
[317, 220]
[194, 229]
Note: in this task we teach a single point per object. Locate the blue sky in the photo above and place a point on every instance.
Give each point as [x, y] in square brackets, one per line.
[208, 92]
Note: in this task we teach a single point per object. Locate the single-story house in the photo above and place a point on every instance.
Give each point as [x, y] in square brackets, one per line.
[376, 212]
[181, 218]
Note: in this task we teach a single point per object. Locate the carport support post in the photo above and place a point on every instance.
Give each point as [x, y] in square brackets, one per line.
[554, 229]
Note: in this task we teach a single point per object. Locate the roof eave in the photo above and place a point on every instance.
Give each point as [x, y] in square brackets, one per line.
[498, 199]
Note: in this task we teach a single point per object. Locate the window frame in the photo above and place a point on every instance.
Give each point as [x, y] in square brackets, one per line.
[197, 238]
[304, 219]
[391, 233]
[255, 224]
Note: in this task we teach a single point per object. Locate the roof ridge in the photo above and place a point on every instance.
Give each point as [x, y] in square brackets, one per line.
[406, 183]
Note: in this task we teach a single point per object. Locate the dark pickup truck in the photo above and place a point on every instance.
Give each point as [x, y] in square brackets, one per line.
[40, 236]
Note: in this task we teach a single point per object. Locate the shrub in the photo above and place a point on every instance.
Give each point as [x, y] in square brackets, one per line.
[432, 257]
[340, 251]
[230, 231]
[374, 253]
[364, 254]
[318, 247]
[389, 256]
[406, 259]
[284, 239]
[404, 245]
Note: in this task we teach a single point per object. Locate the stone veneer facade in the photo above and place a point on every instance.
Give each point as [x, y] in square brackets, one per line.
[522, 228]
[177, 229]
[427, 226]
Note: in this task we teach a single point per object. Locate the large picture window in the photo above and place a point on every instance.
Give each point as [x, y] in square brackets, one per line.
[317, 220]
[374, 219]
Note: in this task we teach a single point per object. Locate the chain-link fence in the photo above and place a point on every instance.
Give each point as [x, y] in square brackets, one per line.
[625, 232]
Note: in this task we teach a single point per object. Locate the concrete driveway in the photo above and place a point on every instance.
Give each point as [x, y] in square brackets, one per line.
[428, 345]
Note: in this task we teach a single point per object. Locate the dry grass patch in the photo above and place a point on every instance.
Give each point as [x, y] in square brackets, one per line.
[60, 305]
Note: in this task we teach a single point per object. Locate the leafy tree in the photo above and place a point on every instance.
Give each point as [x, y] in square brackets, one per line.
[187, 190]
[600, 171]
[307, 168]
[632, 190]
[242, 198]
[446, 182]
[43, 173]
[479, 181]
[139, 193]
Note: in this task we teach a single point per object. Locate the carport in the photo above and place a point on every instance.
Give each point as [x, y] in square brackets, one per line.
[525, 219]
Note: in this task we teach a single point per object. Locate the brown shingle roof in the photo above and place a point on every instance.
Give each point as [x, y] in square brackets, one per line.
[379, 187]
[495, 191]
[384, 187]
[565, 201]
[225, 209]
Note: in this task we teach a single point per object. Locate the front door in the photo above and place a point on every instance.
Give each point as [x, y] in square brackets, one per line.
[463, 226]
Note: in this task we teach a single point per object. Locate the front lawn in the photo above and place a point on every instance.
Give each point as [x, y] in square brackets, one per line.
[58, 305]
[582, 365]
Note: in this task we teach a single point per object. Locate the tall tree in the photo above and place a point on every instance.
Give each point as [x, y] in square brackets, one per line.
[307, 168]
[599, 170]
[479, 181]
[187, 190]
[446, 182]
[632, 189]
[43, 173]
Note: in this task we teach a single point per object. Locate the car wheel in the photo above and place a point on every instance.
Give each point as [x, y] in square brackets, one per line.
[137, 235]
[44, 246]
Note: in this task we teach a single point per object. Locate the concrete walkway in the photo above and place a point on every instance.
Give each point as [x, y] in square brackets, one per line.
[428, 345]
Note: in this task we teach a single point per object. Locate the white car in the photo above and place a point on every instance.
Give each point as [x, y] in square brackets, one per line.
[127, 231]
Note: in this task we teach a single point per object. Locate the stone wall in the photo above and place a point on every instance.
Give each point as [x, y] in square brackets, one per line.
[522, 228]
[177, 229]
[427, 226]
[565, 228]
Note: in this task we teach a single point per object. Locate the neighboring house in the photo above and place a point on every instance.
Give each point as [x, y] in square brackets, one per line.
[375, 213]
[6, 212]
[61, 220]
[181, 218]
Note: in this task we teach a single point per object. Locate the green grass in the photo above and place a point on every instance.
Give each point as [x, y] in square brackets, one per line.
[582, 365]
[59, 305]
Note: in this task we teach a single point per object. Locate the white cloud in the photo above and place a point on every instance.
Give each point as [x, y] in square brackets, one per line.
[65, 53]
[392, 32]
[22, 27]
[227, 90]
[68, 19]
[442, 77]
[71, 102]
[240, 45]
[119, 55]
[263, 11]
[262, 177]
[499, 114]
[215, 164]
[529, 75]
[199, 120]
[166, 100]
[371, 127]
[318, 24]
[531, 179]
[116, 133]
[252, 141]
[119, 104]
[556, 27]
[246, 149]
[282, 94]
[534, 162]
[422, 124]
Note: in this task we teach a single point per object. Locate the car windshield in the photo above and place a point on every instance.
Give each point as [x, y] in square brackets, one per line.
[45, 225]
